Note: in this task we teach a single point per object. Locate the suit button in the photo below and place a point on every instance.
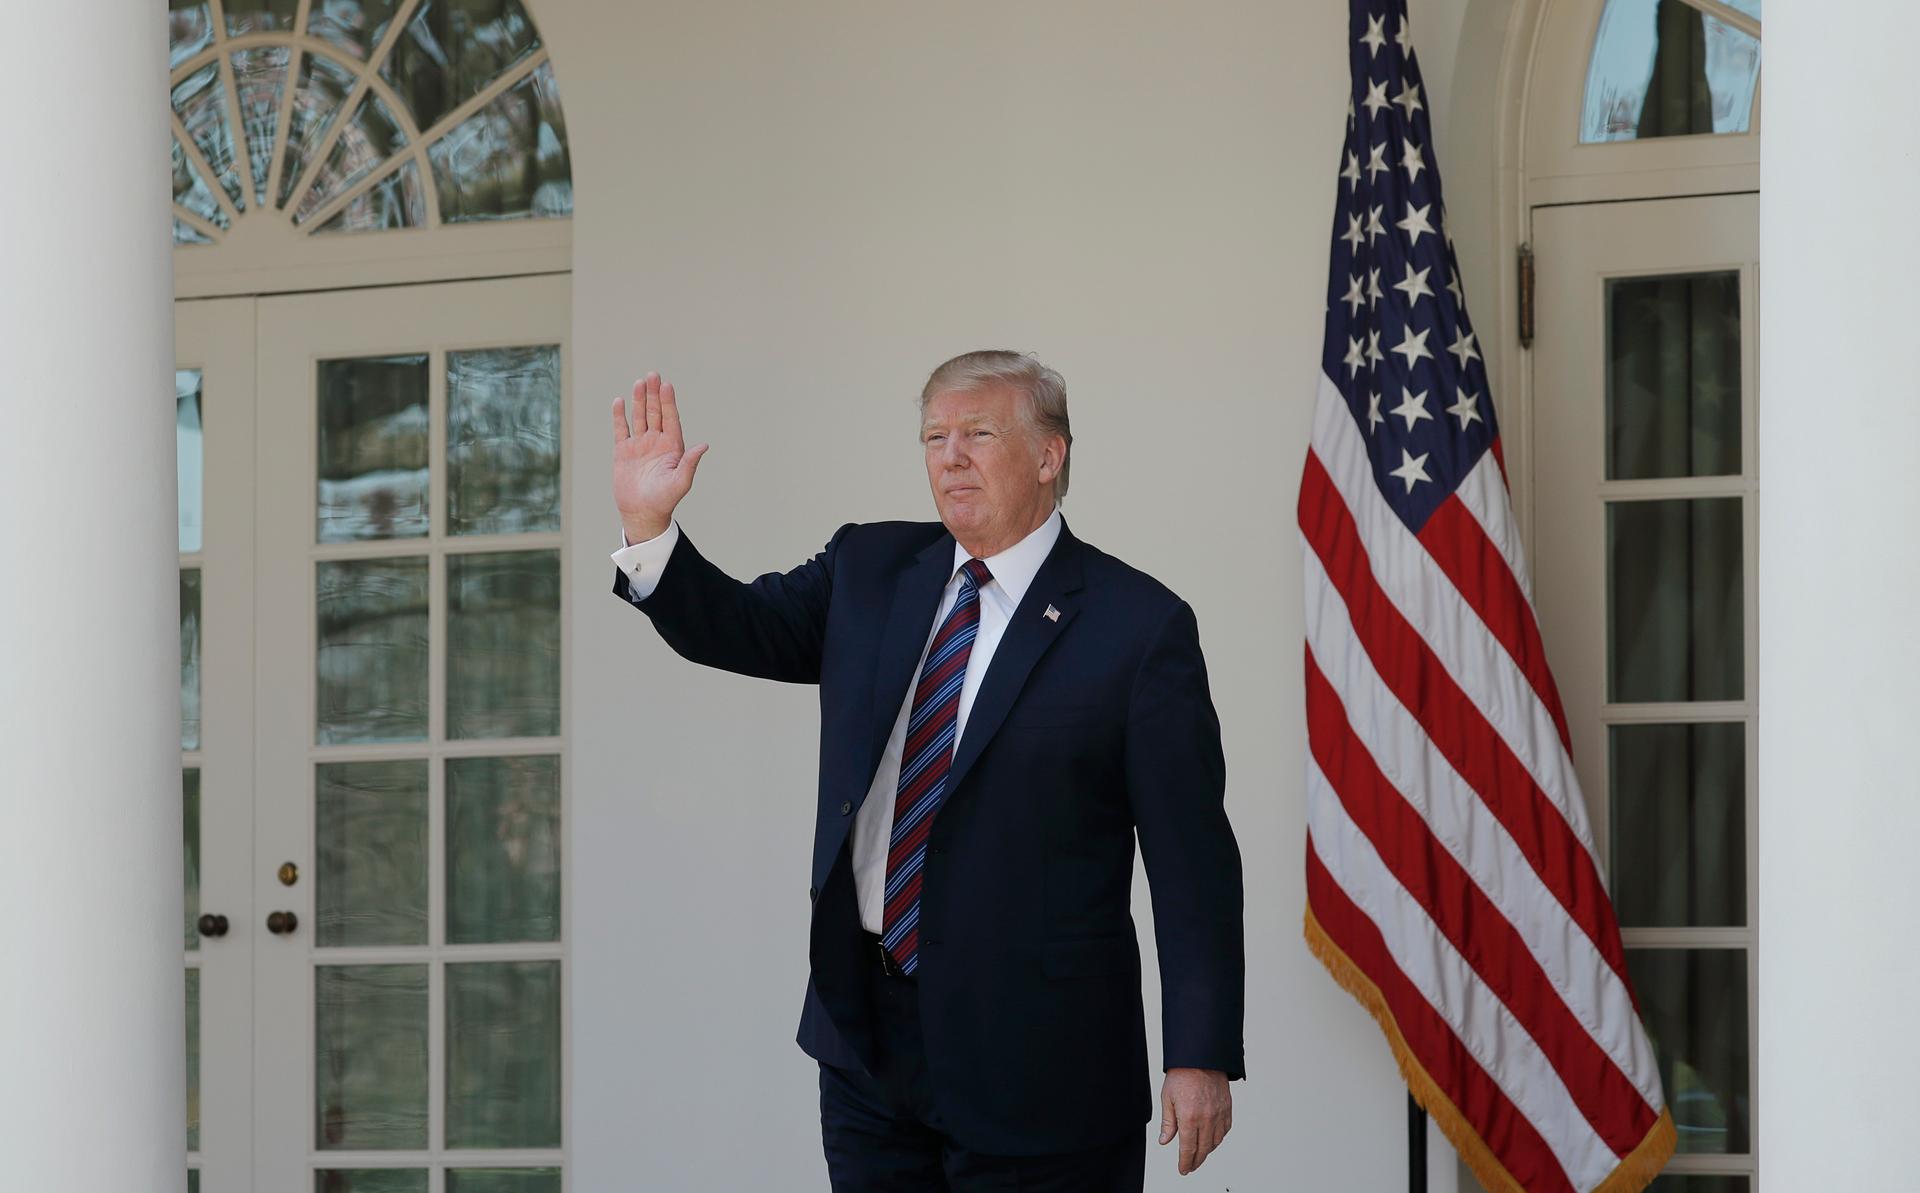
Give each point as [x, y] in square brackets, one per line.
[846, 807]
[813, 893]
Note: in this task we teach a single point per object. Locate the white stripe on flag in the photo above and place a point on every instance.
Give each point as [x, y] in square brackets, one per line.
[1484, 494]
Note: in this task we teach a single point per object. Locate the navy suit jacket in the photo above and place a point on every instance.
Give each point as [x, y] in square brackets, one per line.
[1086, 730]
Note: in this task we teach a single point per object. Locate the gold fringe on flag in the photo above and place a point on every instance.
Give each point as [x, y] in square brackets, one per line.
[1635, 1171]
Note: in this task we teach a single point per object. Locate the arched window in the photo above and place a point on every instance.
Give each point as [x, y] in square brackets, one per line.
[1664, 68]
[373, 115]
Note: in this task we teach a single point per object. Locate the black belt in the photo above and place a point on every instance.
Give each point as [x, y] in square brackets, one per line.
[887, 964]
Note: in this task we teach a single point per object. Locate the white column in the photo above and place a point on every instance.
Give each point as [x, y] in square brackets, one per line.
[91, 985]
[1839, 572]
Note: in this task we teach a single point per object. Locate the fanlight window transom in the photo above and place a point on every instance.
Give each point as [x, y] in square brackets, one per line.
[1666, 68]
[362, 115]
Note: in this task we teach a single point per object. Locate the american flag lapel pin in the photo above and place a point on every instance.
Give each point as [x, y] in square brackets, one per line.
[1052, 614]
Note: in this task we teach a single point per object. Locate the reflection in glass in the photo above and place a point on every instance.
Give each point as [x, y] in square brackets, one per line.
[1661, 68]
[503, 440]
[398, 200]
[452, 49]
[258, 16]
[1695, 1183]
[369, 139]
[188, 455]
[1675, 618]
[323, 88]
[503, 1054]
[190, 823]
[259, 76]
[370, 1180]
[201, 101]
[189, 658]
[191, 192]
[503, 644]
[503, 1180]
[185, 233]
[503, 849]
[356, 26]
[193, 1059]
[370, 1056]
[1673, 376]
[509, 160]
[372, 463]
[1694, 1004]
[372, 658]
[189, 30]
[1678, 802]
[370, 853]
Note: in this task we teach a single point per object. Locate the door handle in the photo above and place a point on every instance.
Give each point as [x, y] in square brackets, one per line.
[282, 923]
[213, 925]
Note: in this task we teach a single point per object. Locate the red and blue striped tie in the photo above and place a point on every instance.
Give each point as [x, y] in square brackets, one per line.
[924, 761]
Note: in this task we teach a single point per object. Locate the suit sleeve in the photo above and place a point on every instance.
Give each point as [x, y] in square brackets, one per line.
[772, 627]
[1176, 783]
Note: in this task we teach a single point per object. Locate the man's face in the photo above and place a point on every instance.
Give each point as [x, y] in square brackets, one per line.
[989, 473]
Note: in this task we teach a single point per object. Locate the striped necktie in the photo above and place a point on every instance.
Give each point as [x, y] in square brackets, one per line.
[924, 761]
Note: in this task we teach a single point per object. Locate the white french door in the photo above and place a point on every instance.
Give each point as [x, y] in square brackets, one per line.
[390, 993]
[1645, 390]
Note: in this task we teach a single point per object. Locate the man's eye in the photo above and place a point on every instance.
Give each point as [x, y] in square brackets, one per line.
[935, 438]
[983, 432]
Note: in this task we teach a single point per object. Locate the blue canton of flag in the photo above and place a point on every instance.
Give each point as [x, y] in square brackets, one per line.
[1398, 343]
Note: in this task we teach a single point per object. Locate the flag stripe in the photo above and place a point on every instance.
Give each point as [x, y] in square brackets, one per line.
[1471, 923]
[1414, 674]
[1484, 493]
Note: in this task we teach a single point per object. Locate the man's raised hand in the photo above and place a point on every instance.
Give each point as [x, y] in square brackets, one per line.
[652, 468]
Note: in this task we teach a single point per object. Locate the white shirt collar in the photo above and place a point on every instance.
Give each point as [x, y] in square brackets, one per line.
[1014, 568]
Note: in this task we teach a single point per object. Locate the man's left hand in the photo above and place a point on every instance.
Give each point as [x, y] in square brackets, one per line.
[1196, 1105]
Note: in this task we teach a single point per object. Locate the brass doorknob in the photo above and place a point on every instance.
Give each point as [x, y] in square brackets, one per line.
[280, 923]
[213, 925]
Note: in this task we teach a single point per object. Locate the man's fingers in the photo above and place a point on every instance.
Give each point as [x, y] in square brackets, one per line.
[1168, 1121]
[691, 460]
[621, 431]
[669, 414]
[653, 401]
[1189, 1147]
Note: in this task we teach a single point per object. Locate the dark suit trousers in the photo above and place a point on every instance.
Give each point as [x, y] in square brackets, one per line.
[882, 1135]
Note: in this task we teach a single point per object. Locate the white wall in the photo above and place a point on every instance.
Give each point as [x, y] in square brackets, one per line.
[794, 212]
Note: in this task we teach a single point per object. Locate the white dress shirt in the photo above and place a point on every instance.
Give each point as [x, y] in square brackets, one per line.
[1013, 571]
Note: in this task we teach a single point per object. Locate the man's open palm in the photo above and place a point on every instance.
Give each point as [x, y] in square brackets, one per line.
[652, 468]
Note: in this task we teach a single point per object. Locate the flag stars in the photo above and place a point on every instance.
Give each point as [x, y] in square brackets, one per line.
[1353, 235]
[1403, 38]
[1415, 225]
[1413, 346]
[1377, 162]
[1409, 97]
[1413, 160]
[1413, 469]
[1376, 98]
[1374, 417]
[1374, 38]
[1466, 408]
[1412, 407]
[1355, 297]
[1463, 348]
[1374, 226]
[1374, 293]
[1453, 288]
[1356, 357]
[1414, 286]
[1374, 355]
[1352, 171]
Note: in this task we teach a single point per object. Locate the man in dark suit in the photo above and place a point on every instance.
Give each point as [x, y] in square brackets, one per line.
[1003, 707]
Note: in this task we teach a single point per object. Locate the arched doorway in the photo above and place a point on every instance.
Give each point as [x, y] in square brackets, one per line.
[372, 204]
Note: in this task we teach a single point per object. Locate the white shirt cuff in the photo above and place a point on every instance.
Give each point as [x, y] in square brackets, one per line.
[643, 562]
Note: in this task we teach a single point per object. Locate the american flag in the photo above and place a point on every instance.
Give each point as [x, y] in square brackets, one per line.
[1453, 886]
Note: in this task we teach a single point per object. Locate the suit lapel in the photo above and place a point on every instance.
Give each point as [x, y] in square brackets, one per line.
[916, 598]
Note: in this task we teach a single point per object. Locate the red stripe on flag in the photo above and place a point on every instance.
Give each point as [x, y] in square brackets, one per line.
[1477, 929]
[1410, 669]
[1458, 543]
[1520, 1148]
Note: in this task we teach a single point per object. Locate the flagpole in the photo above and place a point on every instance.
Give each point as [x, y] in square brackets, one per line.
[1416, 1146]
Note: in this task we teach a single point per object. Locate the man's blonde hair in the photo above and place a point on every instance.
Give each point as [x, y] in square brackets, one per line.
[1044, 411]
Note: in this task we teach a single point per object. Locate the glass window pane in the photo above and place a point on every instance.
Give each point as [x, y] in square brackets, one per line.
[503, 849]
[503, 644]
[185, 233]
[1678, 801]
[370, 1180]
[189, 29]
[201, 101]
[503, 1180]
[1661, 68]
[370, 852]
[503, 1054]
[370, 1056]
[503, 440]
[193, 1180]
[1693, 1183]
[190, 823]
[373, 448]
[187, 445]
[509, 160]
[193, 1059]
[1694, 1005]
[189, 658]
[323, 88]
[258, 16]
[1675, 613]
[396, 201]
[372, 664]
[190, 191]
[1673, 376]
[260, 76]
[356, 26]
[452, 49]
[370, 138]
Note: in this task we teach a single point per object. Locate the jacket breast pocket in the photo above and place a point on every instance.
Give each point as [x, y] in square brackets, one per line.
[1088, 956]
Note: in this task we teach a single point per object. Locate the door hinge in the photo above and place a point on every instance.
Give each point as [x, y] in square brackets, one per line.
[1526, 295]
